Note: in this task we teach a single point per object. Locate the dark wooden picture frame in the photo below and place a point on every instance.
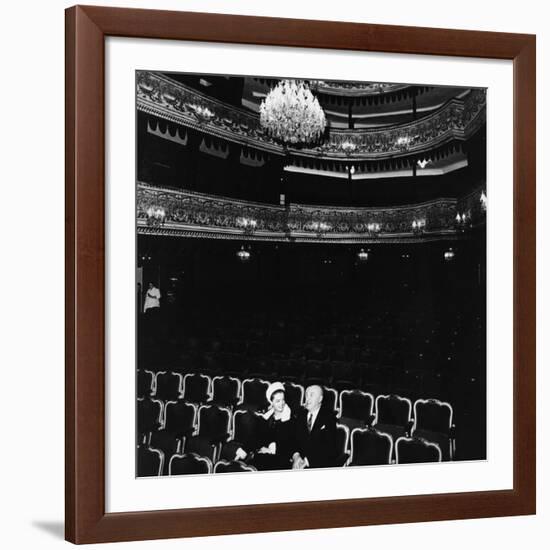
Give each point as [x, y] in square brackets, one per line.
[86, 30]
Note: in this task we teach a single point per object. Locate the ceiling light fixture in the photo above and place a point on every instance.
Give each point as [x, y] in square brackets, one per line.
[291, 113]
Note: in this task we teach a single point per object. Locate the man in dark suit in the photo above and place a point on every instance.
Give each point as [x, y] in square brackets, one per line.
[315, 433]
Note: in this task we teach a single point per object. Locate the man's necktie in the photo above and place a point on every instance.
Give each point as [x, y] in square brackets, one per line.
[309, 421]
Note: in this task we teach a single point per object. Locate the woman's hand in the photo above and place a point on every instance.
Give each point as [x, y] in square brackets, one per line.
[271, 449]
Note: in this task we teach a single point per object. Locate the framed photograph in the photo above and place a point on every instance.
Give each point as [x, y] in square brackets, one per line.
[300, 274]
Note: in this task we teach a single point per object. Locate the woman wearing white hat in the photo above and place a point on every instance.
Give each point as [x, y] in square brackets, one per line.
[278, 437]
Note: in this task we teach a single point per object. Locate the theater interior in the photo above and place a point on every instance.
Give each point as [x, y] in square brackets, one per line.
[353, 259]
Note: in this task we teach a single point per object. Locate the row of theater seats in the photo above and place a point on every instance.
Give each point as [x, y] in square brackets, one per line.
[419, 351]
[407, 382]
[382, 336]
[196, 414]
[231, 392]
[368, 447]
[412, 353]
[346, 319]
[349, 347]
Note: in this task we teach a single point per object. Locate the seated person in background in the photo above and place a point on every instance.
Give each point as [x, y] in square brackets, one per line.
[315, 434]
[278, 430]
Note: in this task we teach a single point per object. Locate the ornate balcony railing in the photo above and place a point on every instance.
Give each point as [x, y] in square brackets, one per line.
[175, 102]
[188, 213]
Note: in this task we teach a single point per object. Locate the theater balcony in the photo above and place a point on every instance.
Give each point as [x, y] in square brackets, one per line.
[164, 211]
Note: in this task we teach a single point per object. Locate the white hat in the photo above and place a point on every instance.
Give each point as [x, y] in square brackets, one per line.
[274, 387]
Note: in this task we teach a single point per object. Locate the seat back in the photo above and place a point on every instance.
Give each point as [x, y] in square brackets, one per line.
[189, 464]
[294, 395]
[149, 415]
[145, 379]
[370, 447]
[149, 462]
[356, 404]
[180, 418]
[168, 386]
[253, 394]
[231, 466]
[433, 415]
[201, 446]
[167, 443]
[196, 387]
[415, 450]
[393, 409]
[330, 398]
[226, 390]
[214, 422]
[342, 443]
[246, 428]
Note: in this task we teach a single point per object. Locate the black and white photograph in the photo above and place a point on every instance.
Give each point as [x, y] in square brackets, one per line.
[310, 273]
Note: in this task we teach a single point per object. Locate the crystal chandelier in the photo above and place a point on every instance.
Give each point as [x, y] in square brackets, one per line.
[291, 113]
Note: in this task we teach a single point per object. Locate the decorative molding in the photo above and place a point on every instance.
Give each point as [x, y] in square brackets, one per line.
[333, 87]
[343, 87]
[191, 214]
[176, 230]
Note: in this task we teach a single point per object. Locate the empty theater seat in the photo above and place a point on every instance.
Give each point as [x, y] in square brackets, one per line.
[294, 395]
[196, 388]
[393, 415]
[253, 395]
[433, 421]
[168, 386]
[189, 464]
[149, 461]
[167, 444]
[410, 450]
[226, 391]
[226, 466]
[342, 444]
[145, 383]
[149, 417]
[356, 408]
[212, 431]
[180, 419]
[370, 447]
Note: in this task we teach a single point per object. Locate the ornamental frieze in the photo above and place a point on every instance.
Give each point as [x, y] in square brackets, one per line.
[158, 207]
